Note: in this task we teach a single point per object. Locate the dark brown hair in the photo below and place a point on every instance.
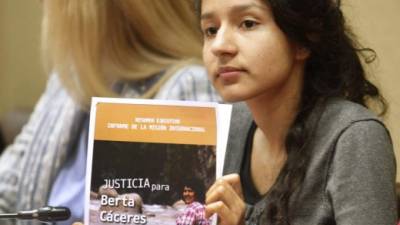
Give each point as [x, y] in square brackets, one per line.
[334, 69]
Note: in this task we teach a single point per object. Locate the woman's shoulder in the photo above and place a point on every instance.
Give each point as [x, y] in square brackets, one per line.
[190, 82]
[354, 147]
[345, 123]
[55, 96]
[195, 70]
[189, 75]
[240, 125]
[340, 114]
[347, 111]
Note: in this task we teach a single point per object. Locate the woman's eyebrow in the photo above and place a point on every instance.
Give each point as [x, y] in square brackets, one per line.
[233, 10]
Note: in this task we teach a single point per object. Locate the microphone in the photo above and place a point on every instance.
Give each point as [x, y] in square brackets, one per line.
[44, 214]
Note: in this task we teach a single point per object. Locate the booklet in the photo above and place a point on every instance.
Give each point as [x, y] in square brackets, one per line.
[152, 161]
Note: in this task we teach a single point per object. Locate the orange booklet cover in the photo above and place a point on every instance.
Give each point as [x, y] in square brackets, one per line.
[151, 161]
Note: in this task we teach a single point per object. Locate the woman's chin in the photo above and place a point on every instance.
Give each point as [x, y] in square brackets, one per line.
[232, 97]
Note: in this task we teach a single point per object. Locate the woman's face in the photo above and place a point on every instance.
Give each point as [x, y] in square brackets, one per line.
[245, 52]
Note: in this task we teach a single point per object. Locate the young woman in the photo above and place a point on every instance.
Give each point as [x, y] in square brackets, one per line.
[309, 151]
[129, 48]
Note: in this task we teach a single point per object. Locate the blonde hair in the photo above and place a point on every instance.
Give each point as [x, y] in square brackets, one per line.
[93, 43]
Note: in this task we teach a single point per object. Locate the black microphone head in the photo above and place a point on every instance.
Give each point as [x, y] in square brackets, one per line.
[50, 214]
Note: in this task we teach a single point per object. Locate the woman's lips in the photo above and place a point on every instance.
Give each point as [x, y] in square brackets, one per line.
[229, 75]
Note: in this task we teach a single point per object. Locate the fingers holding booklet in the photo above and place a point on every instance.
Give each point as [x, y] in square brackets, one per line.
[225, 198]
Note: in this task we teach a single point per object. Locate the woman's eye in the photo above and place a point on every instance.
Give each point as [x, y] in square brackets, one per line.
[248, 24]
[210, 31]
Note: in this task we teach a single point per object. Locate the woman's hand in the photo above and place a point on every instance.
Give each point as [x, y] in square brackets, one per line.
[225, 198]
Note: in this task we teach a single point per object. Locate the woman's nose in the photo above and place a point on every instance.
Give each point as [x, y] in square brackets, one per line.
[224, 43]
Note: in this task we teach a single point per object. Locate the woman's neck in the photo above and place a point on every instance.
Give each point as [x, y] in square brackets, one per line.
[274, 112]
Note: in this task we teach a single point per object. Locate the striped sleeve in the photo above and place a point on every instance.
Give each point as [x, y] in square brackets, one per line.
[189, 83]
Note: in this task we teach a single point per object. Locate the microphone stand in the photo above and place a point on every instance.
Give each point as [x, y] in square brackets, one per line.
[44, 214]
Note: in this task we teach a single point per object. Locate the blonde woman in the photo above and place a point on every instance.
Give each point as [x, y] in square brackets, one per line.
[129, 48]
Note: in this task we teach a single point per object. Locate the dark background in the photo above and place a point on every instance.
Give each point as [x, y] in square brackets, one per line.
[171, 164]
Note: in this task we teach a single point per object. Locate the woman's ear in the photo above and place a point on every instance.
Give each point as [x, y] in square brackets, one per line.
[302, 53]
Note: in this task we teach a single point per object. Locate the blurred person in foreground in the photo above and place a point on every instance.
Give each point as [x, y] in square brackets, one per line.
[130, 48]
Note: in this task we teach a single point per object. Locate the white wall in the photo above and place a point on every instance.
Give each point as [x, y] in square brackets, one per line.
[377, 25]
[21, 75]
